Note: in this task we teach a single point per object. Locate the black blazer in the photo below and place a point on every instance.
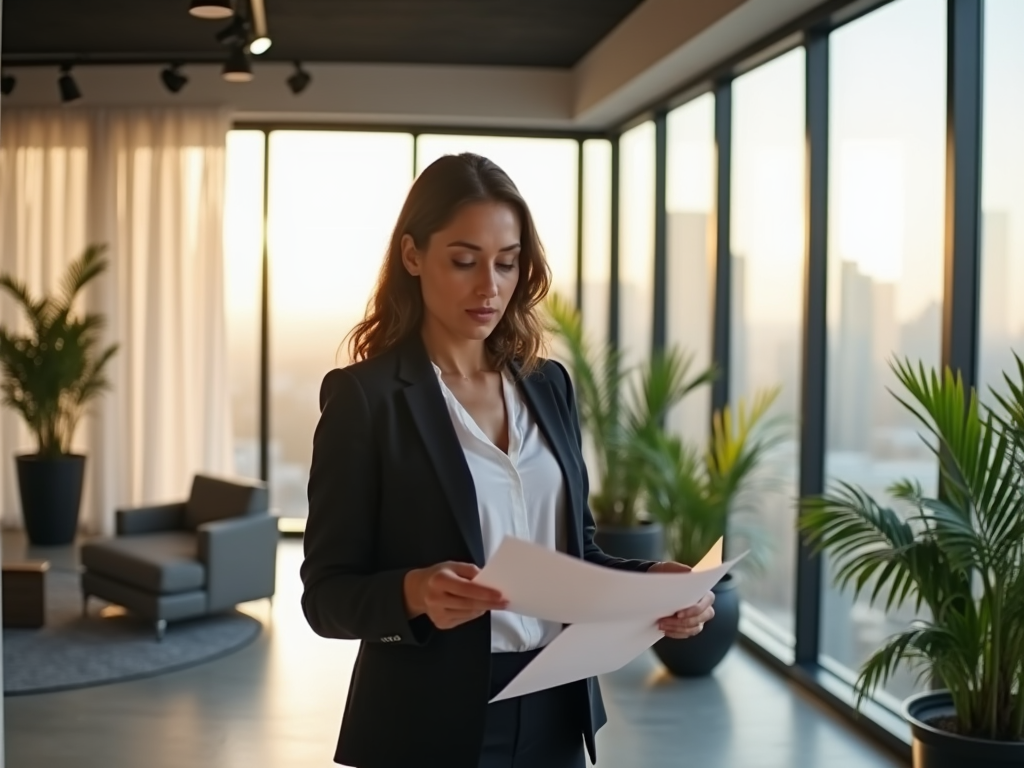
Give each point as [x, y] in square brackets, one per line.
[389, 491]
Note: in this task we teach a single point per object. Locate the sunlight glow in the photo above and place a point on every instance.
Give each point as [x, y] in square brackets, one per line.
[871, 206]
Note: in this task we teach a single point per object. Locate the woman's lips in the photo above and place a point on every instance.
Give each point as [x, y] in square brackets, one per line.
[482, 315]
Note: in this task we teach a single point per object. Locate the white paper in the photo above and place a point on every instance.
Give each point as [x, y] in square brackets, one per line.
[613, 614]
[549, 585]
[582, 651]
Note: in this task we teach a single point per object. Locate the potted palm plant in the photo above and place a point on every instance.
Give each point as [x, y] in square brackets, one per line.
[619, 419]
[702, 493]
[961, 556]
[49, 375]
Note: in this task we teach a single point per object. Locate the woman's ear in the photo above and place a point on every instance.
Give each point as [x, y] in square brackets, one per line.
[411, 256]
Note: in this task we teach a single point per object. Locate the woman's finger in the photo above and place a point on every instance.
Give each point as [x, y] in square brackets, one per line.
[678, 629]
[456, 601]
[692, 621]
[681, 633]
[688, 624]
[698, 608]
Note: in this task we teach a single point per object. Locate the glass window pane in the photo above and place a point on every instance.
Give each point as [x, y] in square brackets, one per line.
[597, 233]
[690, 194]
[243, 269]
[636, 242]
[1002, 197]
[546, 173]
[767, 240]
[886, 211]
[334, 199]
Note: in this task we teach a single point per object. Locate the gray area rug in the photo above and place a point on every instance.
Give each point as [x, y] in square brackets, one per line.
[72, 651]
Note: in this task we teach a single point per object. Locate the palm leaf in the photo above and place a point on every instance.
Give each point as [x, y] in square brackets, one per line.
[79, 272]
[698, 493]
[961, 555]
[49, 374]
[619, 419]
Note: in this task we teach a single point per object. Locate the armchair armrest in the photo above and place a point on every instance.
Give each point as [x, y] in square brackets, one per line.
[152, 519]
[240, 555]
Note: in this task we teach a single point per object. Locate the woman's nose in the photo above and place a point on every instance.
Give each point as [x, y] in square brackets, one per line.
[488, 286]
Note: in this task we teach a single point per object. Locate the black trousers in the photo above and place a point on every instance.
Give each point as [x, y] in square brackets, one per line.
[540, 730]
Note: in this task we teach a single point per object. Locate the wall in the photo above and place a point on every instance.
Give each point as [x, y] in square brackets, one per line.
[485, 96]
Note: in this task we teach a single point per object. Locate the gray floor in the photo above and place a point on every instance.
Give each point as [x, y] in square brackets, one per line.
[277, 704]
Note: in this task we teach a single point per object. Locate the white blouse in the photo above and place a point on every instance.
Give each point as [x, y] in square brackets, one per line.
[521, 494]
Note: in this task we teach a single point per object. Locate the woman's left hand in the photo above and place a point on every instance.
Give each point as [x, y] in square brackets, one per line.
[689, 621]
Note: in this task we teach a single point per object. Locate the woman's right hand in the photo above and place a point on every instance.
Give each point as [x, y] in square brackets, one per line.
[448, 596]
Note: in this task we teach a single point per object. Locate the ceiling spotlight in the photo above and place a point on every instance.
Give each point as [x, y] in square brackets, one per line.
[211, 9]
[68, 87]
[261, 42]
[7, 83]
[174, 81]
[260, 45]
[300, 80]
[238, 68]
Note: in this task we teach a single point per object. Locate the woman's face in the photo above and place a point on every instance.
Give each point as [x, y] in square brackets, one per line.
[469, 269]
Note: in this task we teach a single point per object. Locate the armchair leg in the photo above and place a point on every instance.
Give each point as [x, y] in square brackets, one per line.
[160, 625]
[85, 604]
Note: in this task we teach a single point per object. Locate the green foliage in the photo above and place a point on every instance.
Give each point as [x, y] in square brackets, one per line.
[701, 493]
[621, 418]
[50, 374]
[960, 555]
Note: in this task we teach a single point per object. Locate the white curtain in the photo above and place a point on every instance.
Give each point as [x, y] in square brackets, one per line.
[149, 184]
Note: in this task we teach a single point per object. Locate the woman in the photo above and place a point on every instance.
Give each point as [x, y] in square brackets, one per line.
[448, 433]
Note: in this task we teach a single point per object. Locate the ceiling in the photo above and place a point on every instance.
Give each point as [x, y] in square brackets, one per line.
[537, 33]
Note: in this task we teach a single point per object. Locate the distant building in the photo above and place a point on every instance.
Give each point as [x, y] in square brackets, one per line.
[853, 368]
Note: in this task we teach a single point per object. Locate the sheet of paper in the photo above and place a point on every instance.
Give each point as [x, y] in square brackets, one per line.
[613, 614]
[550, 585]
[582, 651]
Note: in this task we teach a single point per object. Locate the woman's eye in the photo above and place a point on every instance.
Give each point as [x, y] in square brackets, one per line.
[506, 267]
[463, 264]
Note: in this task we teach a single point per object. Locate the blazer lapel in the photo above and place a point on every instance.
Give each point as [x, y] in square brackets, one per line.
[541, 399]
[430, 413]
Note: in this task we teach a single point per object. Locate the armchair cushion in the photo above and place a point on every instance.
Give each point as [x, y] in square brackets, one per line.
[154, 519]
[240, 559]
[214, 498]
[164, 563]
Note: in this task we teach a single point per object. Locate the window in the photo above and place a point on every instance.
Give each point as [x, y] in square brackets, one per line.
[546, 173]
[243, 258]
[689, 200]
[886, 209]
[334, 199]
[636, 242]
[597, 232]
[1002, 199]
[767, 242]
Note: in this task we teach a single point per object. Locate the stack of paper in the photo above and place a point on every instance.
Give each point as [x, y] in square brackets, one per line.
[613, 614]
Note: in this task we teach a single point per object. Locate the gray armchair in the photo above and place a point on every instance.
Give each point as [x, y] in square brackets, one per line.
[187, 559]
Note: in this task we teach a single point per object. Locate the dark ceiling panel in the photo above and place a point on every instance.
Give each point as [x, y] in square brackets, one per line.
[543, 33]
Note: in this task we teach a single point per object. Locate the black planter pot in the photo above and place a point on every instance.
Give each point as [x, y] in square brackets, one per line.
[644, 541]
[936, 748]
[51, 493]
[699, 655]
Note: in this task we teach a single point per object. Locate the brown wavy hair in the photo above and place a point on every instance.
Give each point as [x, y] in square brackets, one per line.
[395, 311]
